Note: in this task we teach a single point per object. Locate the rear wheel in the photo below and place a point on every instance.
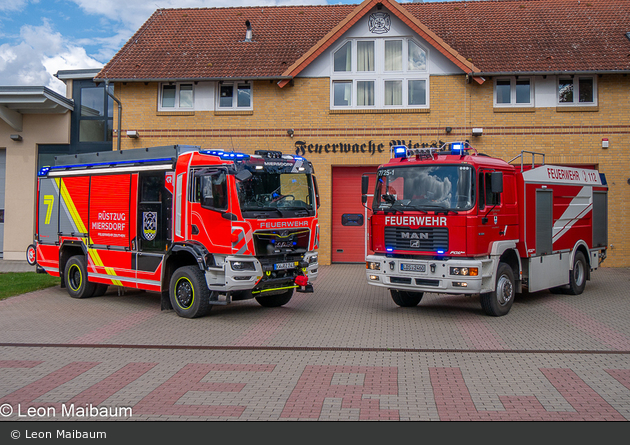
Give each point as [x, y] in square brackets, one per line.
[500, 301]
[577, 278]
[188, 292]
[275, 300]
[405, 298]
[76, 279]
[31, 255]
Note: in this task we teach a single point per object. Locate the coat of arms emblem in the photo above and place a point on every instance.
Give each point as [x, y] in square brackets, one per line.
[149, 225]
[379, 23]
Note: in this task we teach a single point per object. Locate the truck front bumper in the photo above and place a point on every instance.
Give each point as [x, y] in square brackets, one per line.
[424, 275]
[239, 272]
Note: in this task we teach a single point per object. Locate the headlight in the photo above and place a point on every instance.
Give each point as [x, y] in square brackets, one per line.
[242, 265]
[313, 259]
[373, 265]
[464, 271]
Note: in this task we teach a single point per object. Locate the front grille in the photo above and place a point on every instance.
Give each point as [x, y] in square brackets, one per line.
[281, 241]
[398, 280]
[425, 239]
[426, 282]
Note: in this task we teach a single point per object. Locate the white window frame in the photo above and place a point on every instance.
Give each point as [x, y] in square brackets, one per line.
[379, 76]
[576, 91]
[176, 106]
[235, 85]
[513, 103]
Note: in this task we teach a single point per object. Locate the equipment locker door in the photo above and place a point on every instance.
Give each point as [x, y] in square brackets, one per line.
[153, 227]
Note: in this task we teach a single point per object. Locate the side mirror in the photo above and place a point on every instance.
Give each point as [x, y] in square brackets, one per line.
[365, 183]
[243, 175]
[364, 199]
[496, 182]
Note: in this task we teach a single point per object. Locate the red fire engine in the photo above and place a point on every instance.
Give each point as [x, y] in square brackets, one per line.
[454, 221]
[202, 227]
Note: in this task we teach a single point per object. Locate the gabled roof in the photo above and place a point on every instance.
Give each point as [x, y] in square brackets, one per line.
[358, 13]
[481, 37]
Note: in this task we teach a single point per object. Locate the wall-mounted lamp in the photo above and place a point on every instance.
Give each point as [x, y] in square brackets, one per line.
[448, 130]
[290, 132]
[477, 131]
[604, 142]
[16, 137]
[132, 134]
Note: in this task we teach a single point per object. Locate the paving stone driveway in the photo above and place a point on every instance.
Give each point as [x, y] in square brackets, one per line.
[345, 352]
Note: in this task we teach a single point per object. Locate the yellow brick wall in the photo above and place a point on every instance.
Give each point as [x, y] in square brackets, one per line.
[564, 136]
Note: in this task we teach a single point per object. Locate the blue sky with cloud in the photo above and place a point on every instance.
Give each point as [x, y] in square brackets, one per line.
[40, 37]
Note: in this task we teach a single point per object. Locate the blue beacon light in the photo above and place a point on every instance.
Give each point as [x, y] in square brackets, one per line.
[400, 151]
[457, 148]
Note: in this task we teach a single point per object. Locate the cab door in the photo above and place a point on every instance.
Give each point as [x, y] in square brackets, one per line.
[209, 217]
[488, 226]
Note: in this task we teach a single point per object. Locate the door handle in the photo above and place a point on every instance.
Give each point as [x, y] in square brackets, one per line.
[195, 230]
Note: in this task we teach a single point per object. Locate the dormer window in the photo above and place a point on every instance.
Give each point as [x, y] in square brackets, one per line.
[379, 73]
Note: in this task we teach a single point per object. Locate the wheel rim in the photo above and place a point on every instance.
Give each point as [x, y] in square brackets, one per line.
[74, 278]
[505, 290]
[184, 293]
[31, 256]
[578, 273]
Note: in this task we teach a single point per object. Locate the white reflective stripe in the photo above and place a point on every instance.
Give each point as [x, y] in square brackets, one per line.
[127, 279]
[579, 206]
[178, 205]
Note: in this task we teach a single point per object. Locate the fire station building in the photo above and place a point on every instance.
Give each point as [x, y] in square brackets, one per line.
[341, 84]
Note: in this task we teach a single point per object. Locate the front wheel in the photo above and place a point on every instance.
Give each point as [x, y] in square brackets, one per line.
[76, 279]
[275, 300]
[577, 277]
[188, 292]
[500, 301]
[405, 298]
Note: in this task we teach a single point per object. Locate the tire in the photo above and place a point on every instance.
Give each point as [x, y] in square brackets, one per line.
[100, 289]
[275, 300]
[189, 293]
[577, 276]
[405, 298]
[76, 279]
[31, 255]
[499, 302]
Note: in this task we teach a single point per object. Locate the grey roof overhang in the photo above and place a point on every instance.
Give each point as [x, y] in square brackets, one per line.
[34, 100]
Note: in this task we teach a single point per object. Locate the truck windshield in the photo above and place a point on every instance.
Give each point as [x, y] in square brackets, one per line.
[429, 188]
[285, 193]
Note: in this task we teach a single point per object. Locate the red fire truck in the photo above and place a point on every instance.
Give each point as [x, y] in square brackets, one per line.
[202, 227]
[454, 221]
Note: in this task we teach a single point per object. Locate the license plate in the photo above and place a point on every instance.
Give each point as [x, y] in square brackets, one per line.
[413, 267]
[285, 266]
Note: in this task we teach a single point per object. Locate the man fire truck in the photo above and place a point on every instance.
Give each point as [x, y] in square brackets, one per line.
[203, 227]
[454, 221]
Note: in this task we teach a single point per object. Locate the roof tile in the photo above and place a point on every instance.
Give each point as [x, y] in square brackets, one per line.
[497, 36]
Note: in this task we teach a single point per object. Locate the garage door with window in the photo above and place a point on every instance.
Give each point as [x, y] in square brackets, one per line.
[349, 216]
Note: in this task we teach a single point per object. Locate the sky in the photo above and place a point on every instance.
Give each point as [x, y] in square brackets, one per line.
[40, 37]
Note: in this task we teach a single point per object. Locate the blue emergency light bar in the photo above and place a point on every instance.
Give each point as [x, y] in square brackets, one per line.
[229, 155]
[95, 165]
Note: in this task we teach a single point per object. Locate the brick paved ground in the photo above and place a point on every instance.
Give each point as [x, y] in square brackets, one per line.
[345, 352]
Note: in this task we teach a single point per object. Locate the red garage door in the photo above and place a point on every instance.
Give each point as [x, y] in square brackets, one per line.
[349, 217]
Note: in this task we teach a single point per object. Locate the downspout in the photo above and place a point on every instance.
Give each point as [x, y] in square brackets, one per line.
[119, 136]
